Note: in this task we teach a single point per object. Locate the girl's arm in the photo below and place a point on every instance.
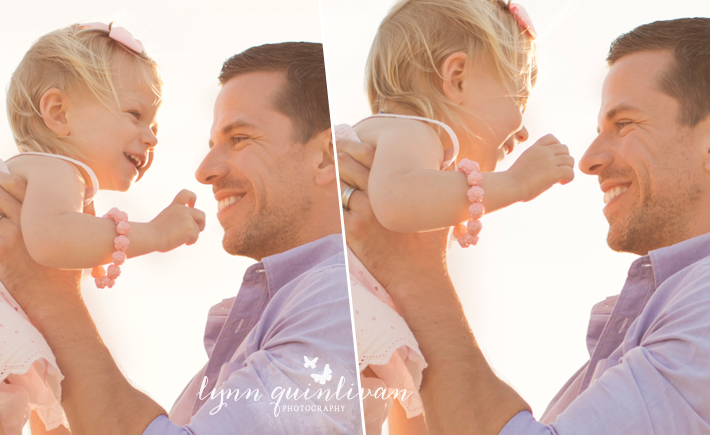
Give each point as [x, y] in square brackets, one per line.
[409, 193]
[58, 235]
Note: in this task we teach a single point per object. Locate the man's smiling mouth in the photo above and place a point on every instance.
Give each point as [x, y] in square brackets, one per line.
[228, 201]
[614, 192]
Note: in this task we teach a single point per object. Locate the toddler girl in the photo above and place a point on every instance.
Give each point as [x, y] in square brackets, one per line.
[448, 81]
[82, 107]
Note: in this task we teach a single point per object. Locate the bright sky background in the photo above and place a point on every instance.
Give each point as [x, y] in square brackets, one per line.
[529, 285]
[153, 319]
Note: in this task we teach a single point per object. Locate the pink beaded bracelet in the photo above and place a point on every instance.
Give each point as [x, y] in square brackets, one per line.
[102, 278]
[467, 234]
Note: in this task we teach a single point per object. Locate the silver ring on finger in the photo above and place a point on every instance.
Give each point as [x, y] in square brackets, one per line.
[345, 198]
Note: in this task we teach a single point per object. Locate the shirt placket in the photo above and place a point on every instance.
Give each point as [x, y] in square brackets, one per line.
[245, 313]
[637, 290]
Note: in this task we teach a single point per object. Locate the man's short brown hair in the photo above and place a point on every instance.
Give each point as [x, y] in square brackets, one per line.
[688, 79]
[304, 98]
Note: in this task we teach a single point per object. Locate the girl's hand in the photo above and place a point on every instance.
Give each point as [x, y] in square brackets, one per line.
[542, 165]
[179, 224]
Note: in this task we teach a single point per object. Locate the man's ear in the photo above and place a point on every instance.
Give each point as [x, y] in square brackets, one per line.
[701, 132]
[324, 157]
[454, 72]
[53, 108]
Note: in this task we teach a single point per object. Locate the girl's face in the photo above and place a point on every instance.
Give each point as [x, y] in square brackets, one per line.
[494, 118]
[115, 142]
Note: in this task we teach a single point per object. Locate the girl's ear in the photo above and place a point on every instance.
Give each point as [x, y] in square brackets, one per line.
[324, 161]
[454, 72]
[53, 108]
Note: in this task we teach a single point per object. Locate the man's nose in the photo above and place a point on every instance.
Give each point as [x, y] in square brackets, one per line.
[597, 157]
[212, 168]
[522, 135]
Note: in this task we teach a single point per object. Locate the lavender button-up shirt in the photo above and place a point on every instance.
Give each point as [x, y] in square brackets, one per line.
[649, 371]
[285, 338]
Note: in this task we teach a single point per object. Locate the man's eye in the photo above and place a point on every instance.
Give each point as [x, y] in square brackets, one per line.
[622, 124]
[238, 139]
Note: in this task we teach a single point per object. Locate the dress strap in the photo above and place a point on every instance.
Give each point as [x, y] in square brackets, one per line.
[90, 190]
[449, 130]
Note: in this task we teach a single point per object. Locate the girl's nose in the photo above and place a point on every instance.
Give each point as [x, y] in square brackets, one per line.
[522, 135]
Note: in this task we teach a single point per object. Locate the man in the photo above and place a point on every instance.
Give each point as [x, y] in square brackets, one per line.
[650, 346]
[281, 352]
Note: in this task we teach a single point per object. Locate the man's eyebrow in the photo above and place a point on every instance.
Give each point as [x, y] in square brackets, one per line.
[236, 124]
[233, 126]
[611, 113]
[620, 108]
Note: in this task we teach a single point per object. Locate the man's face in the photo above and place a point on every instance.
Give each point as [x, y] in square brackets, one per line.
[650, 168]
[256, 168]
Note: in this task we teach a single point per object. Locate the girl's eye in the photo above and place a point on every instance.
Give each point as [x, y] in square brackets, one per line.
[137, 115]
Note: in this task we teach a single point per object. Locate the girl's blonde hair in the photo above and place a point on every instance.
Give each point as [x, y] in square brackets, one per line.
[71, 59]
[404, 65]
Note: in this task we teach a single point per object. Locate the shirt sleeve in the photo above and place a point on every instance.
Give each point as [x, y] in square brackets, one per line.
[660, 383]
[162, 426]
[315, 322]
[523, 423]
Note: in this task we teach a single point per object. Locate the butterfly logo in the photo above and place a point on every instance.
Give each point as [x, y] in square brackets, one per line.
[310, 362]
[323, 376]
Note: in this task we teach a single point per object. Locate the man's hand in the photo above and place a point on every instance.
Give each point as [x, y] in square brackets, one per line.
[388, 255]
[96, 397]
[460, 392]
[25, 279]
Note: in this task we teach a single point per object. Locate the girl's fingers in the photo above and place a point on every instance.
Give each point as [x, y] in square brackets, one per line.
[560, 150]
[199, 217]
[565, 161]
[185, 197]
[548, 139]
[566, 174]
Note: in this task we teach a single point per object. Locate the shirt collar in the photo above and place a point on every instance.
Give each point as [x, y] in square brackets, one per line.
[672, 259]
[285, 266]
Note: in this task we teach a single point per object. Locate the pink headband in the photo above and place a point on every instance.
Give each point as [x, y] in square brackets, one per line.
[118, 34]
[523, 19]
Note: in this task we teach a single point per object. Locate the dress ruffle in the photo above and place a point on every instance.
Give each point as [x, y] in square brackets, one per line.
[384, 341]
[30, 379]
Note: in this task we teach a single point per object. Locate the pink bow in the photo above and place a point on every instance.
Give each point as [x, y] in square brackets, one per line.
[118, 34]
[523, 19]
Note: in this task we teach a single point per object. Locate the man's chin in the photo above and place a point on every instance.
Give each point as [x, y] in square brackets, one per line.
[246, 245]
[235, 246]
[630, 240]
